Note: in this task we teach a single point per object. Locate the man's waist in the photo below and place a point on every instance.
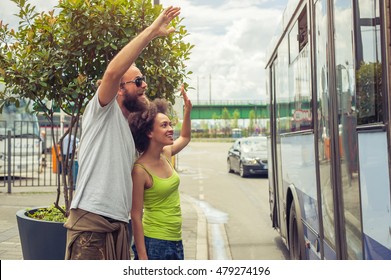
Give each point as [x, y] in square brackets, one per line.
[111, 220]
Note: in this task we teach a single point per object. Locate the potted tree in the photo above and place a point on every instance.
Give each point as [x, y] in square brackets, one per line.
[55, 58]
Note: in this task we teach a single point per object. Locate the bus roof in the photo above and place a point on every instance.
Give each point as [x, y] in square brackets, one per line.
[290, 9]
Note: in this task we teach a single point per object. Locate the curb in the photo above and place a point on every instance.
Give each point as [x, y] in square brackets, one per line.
[202, 250]
[202, 235]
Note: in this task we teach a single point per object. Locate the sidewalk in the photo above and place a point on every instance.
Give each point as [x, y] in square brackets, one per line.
[194, 222]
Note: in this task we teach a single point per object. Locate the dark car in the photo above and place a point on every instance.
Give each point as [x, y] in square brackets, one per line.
[248, 156]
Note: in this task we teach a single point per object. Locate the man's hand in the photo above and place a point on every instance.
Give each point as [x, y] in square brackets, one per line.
[160, 25]
[124, 59]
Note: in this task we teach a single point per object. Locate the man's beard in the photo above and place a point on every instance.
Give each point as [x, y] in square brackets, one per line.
[133, 103]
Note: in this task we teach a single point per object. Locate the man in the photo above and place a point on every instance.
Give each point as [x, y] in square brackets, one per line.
[97, 224]
[67, 145]
[67, 149]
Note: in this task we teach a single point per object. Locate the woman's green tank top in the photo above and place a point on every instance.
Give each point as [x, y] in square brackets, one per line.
[162, 217]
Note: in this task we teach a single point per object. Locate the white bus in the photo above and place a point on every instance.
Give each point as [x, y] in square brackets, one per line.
[19, 157]
[329, 71]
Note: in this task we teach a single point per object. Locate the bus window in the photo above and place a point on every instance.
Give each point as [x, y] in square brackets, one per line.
[19, 121]
[370, 95]
[299, 76]
[303, 29]
[347, 123]
[293, 45]
[324, 133]
[298, 36]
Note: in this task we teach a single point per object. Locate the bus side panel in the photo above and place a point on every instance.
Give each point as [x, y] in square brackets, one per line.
[25, 155]
[375, 194]
[298, 170]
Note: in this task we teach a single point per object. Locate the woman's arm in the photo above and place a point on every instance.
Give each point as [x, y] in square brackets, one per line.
[185, 135]
[139, 181]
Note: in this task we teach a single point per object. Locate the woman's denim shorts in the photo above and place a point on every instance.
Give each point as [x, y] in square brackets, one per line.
[158, 249]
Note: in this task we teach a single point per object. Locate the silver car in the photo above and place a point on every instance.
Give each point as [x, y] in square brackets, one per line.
[248, 156]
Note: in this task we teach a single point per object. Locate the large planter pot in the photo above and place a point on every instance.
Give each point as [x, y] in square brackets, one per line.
[41, 240]
[44, 240]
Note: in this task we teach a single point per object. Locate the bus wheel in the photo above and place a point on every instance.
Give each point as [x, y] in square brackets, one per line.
[294, 239]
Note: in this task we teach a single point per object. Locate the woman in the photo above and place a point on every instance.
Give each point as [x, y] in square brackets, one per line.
[156, 212]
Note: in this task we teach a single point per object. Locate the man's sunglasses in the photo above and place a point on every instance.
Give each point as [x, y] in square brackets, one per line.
[138, 81]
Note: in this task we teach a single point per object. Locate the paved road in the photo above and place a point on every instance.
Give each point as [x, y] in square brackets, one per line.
[237, 208]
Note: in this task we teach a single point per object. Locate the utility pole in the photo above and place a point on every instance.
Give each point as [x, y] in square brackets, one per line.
[198, 90]
[156, 2]
[210, 89]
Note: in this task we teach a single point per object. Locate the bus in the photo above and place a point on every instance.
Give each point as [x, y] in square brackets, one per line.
[328, 82]
[19, 157]
[60, 124]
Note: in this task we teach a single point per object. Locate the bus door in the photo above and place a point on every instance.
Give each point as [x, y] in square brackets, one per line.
[275, 177]
[272, 151]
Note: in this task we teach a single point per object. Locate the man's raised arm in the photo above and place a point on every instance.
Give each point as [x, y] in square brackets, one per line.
[128, 55]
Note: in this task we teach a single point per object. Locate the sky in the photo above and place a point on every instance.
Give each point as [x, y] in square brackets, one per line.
[230, 38]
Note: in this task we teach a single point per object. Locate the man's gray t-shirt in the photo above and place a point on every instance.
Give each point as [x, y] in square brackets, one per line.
[106, 156]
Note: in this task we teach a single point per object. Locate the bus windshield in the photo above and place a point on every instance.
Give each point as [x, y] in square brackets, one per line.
[19, 120]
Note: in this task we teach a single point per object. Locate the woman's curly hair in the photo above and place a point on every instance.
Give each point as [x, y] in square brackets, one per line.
[141, 123]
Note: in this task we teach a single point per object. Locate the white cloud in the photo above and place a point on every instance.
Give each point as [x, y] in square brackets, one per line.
[230, 39]
[230, 43]
[8, 9]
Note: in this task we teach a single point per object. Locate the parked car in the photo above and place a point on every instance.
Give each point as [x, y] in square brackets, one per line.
[248, 156]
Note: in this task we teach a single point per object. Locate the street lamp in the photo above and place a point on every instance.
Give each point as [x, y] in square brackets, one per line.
[210, 88]
[198, 90]
[257, 125]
